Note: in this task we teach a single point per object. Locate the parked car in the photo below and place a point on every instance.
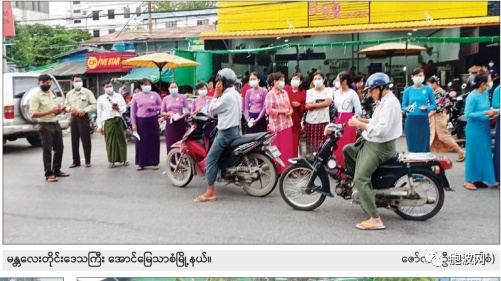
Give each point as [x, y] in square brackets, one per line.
[18, 89]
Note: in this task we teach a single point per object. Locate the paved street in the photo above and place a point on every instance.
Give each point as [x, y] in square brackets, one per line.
[99, 205]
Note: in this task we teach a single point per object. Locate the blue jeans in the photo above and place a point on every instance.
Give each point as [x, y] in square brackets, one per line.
[221, 142]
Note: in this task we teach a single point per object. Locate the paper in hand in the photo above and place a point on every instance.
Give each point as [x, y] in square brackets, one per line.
[136, 135]
[251, 122]
[175, 117]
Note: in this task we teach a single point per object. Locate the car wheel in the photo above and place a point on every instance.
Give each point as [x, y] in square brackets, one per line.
[34, 141]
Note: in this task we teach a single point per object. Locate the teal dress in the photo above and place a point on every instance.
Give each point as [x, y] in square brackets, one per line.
[478, 139]
[495, 104]
[417, 124]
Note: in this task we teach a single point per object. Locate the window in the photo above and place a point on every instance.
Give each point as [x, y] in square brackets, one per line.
[111, 31]
[95, 15]
[77, 11]
[84, 13]
[111, 14]
[96, 33]
[202, 22]
[138, 11]
[126, 12]
[76, 2]
[36, 6]
[171, 24]
[77, 21]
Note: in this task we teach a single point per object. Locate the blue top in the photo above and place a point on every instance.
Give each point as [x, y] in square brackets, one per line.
[495, 98]
[414, 98]
[476, 106]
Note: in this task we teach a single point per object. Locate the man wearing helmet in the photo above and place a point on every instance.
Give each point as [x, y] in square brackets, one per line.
[375, 146]
[227, 105]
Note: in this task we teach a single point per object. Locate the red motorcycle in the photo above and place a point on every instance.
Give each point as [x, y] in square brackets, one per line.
[248, 161]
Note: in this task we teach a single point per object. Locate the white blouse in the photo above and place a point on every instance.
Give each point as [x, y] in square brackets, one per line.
[319, 115]
[104, 107]
[346, 101]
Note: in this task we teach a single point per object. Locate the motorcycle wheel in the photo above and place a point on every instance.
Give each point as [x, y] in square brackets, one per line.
[292, 186]
[183, 176]
[267, 178]
[428, 185]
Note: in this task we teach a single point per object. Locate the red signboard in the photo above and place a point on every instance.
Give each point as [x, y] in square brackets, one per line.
[8, 20]
[108, 62]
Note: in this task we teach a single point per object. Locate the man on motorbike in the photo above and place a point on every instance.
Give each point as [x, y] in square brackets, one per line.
[227, 105]
[375, 146]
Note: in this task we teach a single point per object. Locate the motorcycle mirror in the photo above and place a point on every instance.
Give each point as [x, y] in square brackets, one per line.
[450, 84]
[463, 86]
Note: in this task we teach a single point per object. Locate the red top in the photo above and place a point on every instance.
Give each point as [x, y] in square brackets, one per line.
[299, 96]
[245, 88]
[211, 92]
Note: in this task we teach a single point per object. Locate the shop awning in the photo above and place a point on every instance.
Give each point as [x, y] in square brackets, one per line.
[353, 28]
[147, 72]
[43, 68]
[67, 69]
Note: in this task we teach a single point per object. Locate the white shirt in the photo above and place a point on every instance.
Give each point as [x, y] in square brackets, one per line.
[386, 122]
[346, 101]
[228, 109]
[104, 111]
[319, 115]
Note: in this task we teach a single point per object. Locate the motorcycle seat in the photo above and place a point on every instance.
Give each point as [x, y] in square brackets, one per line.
[246, 139]
[392, 162]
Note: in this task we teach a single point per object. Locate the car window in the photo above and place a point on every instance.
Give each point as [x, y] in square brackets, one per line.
[23, 84]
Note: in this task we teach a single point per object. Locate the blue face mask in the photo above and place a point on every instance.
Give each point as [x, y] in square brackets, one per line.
[174, 91]
[108, 90]
[318, 83]
[146, 89]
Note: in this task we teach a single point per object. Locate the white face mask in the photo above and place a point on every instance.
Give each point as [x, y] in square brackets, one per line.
[174, 91]
[295, 83]
[418, 80]
[281, 84]
[337, 84]
[78, 85]
[146, 89]
[253, 83]
[318, 83]
[108, 90]
[202, 93]
[489, 85]
[491, 64]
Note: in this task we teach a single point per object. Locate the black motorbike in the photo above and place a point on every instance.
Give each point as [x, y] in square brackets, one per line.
[410, 184]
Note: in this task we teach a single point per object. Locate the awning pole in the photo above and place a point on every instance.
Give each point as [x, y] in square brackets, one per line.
[297, 59]
[406, 66]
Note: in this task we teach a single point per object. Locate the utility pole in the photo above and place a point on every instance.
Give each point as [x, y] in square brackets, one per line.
[150, 26]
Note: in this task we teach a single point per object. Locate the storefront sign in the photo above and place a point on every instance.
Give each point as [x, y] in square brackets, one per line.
[8, 20]
[108, 62]
[195, 43]
[337, 13]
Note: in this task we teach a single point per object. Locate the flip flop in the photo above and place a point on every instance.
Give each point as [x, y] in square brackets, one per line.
[139, 168]
[470, 186]
[156, 167]
[74, 165]
[51, 179]
[202, 198]
[111, 165]
[126, 163]
[461, 159]
[365, 225]
[63, 175]
[88, 165]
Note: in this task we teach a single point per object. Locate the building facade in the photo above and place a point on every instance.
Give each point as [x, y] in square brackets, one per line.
[30, 12]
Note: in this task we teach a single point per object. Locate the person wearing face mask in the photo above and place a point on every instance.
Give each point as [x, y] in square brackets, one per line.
[478, 134]
[200, 104]
[494, 72]
[376, 145]
[346, 101]
[418, 102]
[144, 118]
[254, 107]
[80, 101]
[110, 108]
[279, 109]
[358, 86]
[175, 109]
[45, 108]
[441, 139]
[297, 97]
[318, 101]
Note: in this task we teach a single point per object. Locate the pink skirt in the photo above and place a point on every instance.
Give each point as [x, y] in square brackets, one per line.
[349, 136]
[283, 142]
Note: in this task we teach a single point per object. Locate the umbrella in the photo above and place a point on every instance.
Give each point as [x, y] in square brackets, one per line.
[159, 60]
[392, 49]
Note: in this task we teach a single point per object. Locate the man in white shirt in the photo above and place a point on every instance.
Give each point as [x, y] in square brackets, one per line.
[110, 108]
[227, 105]
[376, 146]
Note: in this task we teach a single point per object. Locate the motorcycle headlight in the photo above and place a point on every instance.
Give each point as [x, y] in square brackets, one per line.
[331, 164]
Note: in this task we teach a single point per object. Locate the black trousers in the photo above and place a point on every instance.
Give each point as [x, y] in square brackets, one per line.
[80, 129]
[52, 139]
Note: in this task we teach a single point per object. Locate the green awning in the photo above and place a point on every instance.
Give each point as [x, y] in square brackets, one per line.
[45, 67]
[147, 72]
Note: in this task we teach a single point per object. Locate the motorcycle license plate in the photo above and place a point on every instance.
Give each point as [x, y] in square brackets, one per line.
[275, 152]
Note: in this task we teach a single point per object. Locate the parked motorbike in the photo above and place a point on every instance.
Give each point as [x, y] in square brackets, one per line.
[410, 184]
[128, 124]
[248, 161]
[92, 122]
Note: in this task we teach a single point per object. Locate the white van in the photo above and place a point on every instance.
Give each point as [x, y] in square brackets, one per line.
[18, 88]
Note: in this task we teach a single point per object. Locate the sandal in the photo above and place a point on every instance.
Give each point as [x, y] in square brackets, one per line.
[202, 198]
[111, 165]
[156, 167]
[139, 168]
[51, 179]
[63, 175]
[366, 225]
[73, 165]
[87, 165]
[126, 163]
[461, 159]
[470, 186]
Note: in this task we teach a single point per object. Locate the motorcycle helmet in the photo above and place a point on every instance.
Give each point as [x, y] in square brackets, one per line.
[378, 79]
[227, 76]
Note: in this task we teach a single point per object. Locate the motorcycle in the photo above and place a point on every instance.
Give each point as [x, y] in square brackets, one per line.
[247, 162]
[92, 122]
[129, 134]
[410, 184]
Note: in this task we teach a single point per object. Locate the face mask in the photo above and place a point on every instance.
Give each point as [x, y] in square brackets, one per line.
[174, 91]
[337, 84]
[202, 93]
[295, 83]
[45, 88]
[253, 83]
[108, 90]
[491, 64]
[418, 80]
[281, 84]
[318, 83]
[78, 85]
[489, 86]
[146, 89]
